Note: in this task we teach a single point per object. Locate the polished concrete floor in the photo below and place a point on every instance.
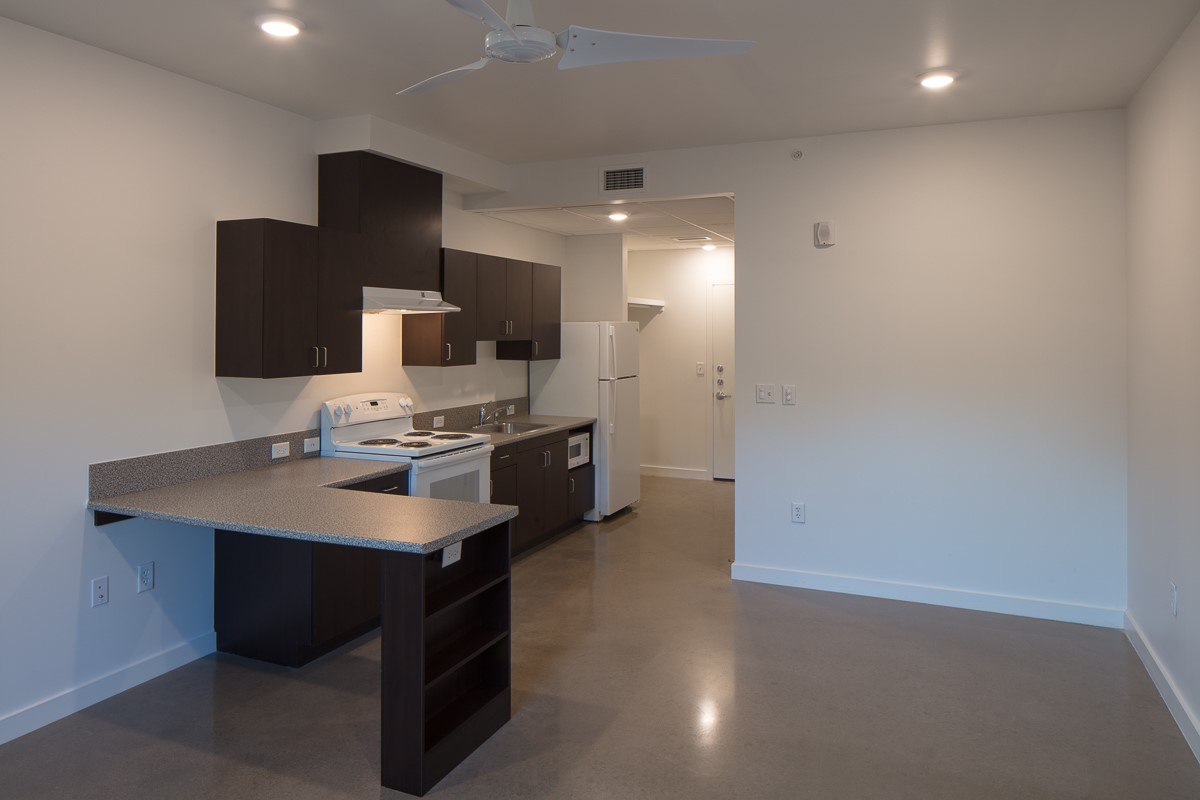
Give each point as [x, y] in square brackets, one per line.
[641, 671]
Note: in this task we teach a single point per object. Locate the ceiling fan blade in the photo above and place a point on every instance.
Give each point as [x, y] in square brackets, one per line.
[445, 77]
[478, 9]
[583, 47]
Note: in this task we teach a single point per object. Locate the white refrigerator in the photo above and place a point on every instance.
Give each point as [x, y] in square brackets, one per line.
[597, 376]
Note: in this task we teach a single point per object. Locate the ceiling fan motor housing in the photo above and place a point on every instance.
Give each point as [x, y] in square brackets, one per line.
[535, 44]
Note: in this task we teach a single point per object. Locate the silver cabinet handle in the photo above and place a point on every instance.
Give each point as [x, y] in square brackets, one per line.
[324, 356]
[449, 351]
[535, 348]
[545, 458]
[316, 357]
[571, 481]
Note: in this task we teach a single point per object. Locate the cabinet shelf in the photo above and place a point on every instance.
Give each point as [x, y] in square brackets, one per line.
[460, 651]
[458, 712]
[460, 591]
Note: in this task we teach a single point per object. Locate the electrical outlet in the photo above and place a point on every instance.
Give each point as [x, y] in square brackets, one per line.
[789, 394]
[439, 422]
[312, 444]
[451, 553]
[99, 591]
[511, 410]
[1174, 600]
[145, 577]
[766, 392]
[281, 449]
[699, 367]
[798, 513]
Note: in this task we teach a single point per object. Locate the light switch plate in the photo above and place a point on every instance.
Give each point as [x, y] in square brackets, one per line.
[789, 394]
[451, 553]
[765, 392]
[312, 444]
[511, 410]
[699, 367]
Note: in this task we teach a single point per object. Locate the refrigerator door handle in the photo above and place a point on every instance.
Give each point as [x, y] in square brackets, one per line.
[612, 352]
[612, 416]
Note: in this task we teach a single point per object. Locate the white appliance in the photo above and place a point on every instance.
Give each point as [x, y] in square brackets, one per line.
[579, 450]
[448, 466]
[597, 376]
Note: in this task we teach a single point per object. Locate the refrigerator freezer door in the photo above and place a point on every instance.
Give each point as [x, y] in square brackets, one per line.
[618, 479]
[619, 350]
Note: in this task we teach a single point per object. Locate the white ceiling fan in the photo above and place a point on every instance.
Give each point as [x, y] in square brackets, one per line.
[517, 39]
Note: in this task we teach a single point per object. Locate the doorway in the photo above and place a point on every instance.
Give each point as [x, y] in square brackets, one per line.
[723, 381]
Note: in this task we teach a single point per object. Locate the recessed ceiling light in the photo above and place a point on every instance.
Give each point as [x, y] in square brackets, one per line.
[279, 26]
[618, 216]
[709, 247]
[938, 79]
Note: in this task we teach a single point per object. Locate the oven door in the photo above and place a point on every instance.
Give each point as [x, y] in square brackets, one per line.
[457, 475]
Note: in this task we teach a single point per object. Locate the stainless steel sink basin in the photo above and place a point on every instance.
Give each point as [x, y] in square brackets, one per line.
[508, 427]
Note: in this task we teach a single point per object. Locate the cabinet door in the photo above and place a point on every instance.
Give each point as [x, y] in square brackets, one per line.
[289, 299]
[459, 271]
[519, 300]
[504, 486]
[556, 512]
[581, 491]
[531, 498]
[345, 586]
[445, 340]
[491, 291]
[339, 301]
[398, 209]
[546, 312]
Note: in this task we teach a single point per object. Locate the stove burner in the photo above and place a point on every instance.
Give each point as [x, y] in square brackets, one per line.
[416, 444]
[370, 442]
[419, 433]
[452, 436]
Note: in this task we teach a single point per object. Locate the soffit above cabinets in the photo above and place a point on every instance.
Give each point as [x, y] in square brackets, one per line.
[652, 224]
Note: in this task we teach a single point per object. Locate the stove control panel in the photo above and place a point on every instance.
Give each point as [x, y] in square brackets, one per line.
[356, 408]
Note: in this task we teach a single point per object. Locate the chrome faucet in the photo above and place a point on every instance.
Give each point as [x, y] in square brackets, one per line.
[495, 415]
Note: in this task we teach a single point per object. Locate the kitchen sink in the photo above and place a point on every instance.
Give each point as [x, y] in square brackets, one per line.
[508, 427]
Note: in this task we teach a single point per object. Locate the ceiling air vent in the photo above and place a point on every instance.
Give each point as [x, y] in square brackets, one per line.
[692, 239]
[623, 179]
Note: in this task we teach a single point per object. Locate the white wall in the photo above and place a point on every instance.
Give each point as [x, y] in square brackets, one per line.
[960, 356]
[676, 402]
[594, 278]
[113, 176]
[1164, 386]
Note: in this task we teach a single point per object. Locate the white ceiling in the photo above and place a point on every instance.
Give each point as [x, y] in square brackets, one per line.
[819, 66]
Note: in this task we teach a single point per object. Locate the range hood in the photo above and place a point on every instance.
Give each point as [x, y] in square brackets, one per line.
[377, 300]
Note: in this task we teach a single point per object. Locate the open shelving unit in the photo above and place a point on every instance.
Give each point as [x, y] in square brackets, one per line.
[447, 673]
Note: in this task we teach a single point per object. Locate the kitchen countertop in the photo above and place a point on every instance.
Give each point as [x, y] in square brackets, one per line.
[553, 425]
[300, 500]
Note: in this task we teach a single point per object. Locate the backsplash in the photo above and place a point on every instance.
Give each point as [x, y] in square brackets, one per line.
[463, 417]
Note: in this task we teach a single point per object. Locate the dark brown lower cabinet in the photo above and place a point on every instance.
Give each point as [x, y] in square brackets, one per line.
[286, 601]
[581, 491]
[541, 491]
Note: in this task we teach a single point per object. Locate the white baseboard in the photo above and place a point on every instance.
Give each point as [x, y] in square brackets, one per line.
[676, 472]
[1185, 716]
[934, 595]
[43, 712]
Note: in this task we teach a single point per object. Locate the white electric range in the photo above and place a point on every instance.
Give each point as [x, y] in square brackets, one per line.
[448, 466]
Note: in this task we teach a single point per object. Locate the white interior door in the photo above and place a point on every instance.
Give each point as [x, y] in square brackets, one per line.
[723, 384]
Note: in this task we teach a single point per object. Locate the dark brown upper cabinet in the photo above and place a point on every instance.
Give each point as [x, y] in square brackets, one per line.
[395, 206]
[289, 300]
[544, 341]
[505, 290]
[445, 340]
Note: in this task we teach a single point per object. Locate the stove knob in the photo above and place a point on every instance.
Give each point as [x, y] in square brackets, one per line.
[348, 408]
[337, 411]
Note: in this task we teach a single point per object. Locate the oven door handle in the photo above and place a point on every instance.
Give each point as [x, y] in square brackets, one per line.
[451, 458]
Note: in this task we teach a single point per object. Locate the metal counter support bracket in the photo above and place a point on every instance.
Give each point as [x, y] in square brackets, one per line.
[108, 518]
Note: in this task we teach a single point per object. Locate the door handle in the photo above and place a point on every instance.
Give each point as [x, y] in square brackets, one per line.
[316, 357]
[722, 395]
[449, 351]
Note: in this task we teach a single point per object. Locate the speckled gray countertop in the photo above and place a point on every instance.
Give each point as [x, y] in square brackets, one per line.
[553, 425]
[300, 500]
